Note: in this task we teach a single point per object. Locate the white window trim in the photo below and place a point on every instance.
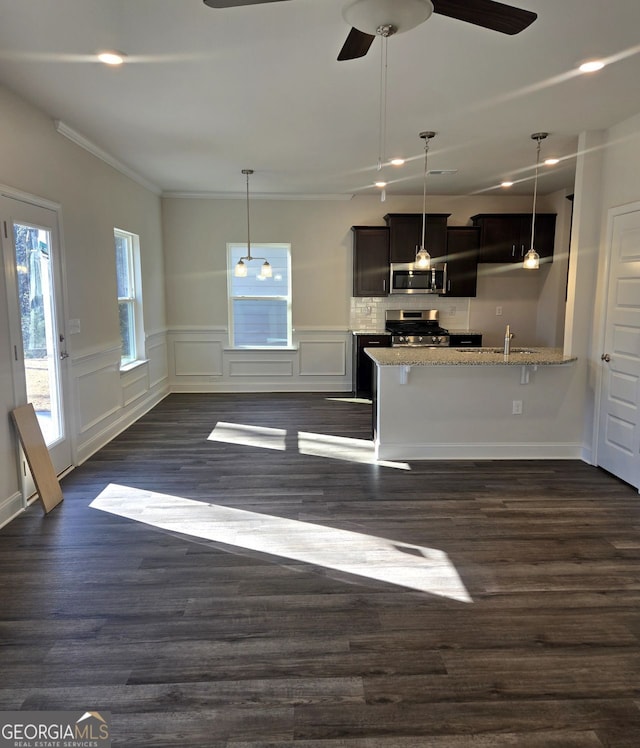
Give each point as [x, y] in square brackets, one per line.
[135, 278]
[230, 268]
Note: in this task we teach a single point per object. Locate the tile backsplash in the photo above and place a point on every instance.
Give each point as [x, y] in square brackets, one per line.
[367, 313]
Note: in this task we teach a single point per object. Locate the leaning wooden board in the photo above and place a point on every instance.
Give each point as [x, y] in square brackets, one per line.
[37, 454]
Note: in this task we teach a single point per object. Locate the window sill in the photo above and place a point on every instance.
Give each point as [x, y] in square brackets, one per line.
[133, 365]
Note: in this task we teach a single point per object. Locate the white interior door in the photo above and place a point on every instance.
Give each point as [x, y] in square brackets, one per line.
[619, 418]
[33, 272]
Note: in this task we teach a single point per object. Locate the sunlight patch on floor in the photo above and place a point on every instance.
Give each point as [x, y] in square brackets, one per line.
[415, 567]
[248, 436]
[316, 445]
[343, 448]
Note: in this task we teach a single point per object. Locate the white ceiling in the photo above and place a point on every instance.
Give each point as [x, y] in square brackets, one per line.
[206, 93]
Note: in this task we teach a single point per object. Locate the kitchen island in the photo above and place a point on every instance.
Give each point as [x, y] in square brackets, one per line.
[476, 403]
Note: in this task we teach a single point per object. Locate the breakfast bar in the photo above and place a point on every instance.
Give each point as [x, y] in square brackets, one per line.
[476, 403]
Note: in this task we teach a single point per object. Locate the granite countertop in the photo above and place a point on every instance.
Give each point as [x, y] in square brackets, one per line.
[519, 356]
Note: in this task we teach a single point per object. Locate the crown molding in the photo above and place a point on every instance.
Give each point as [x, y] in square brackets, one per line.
[96, 151]
[256, 196]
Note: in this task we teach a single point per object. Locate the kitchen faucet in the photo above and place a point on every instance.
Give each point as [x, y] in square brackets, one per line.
[507, 341]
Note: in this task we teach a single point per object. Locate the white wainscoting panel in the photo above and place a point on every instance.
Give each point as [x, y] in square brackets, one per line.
[106, 400]
[156, 345]
[97, 386]
[197, 358]
[323, 358]
[202, 361]
[260, 367]
[134, 383]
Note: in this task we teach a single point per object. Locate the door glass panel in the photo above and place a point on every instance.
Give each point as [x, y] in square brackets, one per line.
[38, 327]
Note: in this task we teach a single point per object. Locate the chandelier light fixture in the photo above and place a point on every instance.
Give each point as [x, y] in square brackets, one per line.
[423, 258]
[532, 258]
[241, 270]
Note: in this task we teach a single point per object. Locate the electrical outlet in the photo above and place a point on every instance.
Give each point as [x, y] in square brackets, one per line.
[498, 311]
[517, 408]
[452, 311]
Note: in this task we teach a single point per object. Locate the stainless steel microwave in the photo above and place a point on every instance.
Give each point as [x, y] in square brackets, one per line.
[407, 277]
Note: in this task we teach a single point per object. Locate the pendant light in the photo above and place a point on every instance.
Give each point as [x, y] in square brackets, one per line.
[423, 258]
[241, 270]
[532, 259]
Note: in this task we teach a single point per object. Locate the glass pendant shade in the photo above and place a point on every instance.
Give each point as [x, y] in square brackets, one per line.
[423, 259]
[240, 270]
[532, 260]
[266, 271]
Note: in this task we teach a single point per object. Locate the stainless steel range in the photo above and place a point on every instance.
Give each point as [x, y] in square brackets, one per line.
[416, 328]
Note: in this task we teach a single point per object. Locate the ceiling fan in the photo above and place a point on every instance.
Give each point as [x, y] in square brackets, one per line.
[369, 18]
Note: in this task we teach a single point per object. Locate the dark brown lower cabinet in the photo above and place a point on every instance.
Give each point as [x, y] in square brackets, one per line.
[363, 367]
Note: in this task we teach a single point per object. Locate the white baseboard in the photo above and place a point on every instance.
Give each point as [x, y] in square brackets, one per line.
[487, 451]
[10, 508]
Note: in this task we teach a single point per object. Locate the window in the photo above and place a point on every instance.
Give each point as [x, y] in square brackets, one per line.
[129, 298]
[259, 307]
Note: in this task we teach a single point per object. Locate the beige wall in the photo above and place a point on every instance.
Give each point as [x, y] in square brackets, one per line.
[94, 198]
[196, 232]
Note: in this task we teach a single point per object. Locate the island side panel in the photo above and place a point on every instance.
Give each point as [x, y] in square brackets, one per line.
[466, 412]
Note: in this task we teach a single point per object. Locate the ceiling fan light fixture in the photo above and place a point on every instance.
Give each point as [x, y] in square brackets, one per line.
[369, 16]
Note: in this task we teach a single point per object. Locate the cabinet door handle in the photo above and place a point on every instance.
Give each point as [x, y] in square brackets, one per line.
[513, 250]
[384, 285]
[522, 250]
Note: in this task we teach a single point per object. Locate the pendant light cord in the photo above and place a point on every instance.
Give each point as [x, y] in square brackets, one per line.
[248, 172]
[382, 129]
[535, 194]
[424, 192]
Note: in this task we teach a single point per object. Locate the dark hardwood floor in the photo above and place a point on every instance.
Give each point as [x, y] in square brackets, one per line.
[196, 639]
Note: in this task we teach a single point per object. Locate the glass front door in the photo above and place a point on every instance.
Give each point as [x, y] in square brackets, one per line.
[33, 273]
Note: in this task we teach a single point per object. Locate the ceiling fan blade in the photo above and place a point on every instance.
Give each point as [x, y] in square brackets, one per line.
[357, 45]
[487, 13]
[236, 3]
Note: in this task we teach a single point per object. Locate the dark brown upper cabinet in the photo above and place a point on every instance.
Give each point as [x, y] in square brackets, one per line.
[405, 235]
[506, 237]
[370, 260]
[462, 260]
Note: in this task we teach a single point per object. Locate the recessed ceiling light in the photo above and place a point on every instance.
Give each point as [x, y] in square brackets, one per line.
[397, 162]
[506, 184]
[381, 184]
[591, 66]
[551, 161]
[111, 57]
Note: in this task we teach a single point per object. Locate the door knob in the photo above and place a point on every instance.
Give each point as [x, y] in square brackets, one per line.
[605, 357]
